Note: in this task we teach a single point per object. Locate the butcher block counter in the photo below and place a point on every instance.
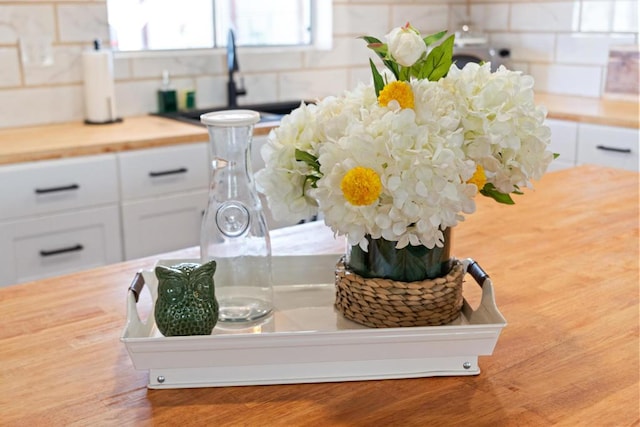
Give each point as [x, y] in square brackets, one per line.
[78, 139]
[564, 264]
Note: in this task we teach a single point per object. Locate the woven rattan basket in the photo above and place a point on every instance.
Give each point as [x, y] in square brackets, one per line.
[384, 303]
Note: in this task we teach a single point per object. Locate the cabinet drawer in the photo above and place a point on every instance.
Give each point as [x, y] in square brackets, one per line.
[162, 225]
[608, 146]
[564, 135]
[55, 185]
[159, 171]
[58, 244]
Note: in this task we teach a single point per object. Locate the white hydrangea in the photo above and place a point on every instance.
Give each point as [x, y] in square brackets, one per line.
[504, 129]
[424, 156]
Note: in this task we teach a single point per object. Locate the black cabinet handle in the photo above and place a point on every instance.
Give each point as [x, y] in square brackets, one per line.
[168, 172]
[59, 251]
[615, 149]
[56, 189]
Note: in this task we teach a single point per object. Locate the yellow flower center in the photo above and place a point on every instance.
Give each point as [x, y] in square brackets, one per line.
[479, 179]
[400, 91]
[361, 186]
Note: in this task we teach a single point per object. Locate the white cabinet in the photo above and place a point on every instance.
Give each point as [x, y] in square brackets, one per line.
[564, 137]
[608, 146]
[581, 143]
[57, 217]
[46, 246]
[163, 224]
[164, 193]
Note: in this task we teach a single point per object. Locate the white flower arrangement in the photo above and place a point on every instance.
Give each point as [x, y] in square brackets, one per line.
[403, 158]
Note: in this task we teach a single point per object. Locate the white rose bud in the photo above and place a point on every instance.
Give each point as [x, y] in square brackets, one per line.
[405, 45]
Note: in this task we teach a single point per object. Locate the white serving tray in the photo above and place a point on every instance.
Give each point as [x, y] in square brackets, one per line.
[306, 340]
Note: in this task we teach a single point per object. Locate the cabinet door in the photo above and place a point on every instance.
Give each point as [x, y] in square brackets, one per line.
[608, 146]
[36, 188]
[41, 247]
[161, 171]
[564, 136]
[163, 224]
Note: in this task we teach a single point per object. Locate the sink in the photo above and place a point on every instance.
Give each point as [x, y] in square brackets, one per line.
[269, 112]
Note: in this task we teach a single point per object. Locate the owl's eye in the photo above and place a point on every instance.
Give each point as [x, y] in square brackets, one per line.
[174, 291]
[201, 290]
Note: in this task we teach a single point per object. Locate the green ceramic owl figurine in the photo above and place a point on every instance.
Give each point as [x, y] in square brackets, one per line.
[186, 303]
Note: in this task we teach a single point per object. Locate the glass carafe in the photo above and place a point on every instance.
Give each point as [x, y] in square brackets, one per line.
[234, 230]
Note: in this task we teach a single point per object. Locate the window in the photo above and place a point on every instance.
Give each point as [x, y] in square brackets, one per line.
[138, 25]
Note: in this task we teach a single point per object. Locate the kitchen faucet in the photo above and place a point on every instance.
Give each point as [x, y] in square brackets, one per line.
[233, 91]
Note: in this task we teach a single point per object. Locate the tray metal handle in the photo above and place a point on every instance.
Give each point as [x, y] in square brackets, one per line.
[135, 325]
[488, 299]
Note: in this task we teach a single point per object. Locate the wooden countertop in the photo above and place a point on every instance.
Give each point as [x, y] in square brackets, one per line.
[564, 261]
[77, 139]
[590, 110]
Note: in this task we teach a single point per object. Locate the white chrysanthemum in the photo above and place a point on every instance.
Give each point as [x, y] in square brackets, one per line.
[421, 173]
[504, 129]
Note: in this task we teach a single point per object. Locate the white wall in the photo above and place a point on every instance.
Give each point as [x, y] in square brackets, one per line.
[563, 44]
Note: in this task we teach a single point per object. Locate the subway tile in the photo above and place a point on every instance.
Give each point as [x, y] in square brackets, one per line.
[625, 16]
[211, 91]
[588, 49]
[180, 64]
[567, 79]
[346, 51]
[27, 20]
[526, 46]
[83, 23]
[10, 69]
[596, 16]
[66, 67]
[312, 84]
[41, 105]
[483, 17]
[135, 98]
[253, 60]
[547, 16]
[361, 19]
[427, 19]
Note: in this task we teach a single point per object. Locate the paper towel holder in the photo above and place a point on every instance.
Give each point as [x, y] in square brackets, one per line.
[110, 101]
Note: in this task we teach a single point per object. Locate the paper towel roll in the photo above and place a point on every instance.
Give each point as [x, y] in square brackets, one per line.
[99, 93]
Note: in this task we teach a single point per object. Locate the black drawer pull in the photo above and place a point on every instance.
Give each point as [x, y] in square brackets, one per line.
[75, 248]
[168, 172]
[56, 189]
[615, 149]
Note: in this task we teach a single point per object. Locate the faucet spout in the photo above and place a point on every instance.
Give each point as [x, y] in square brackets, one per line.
[233, 91]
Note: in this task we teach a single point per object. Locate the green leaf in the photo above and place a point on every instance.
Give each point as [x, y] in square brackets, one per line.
[377, 78]
[438, 61]
[408, 264]
[556, 155]
[490, 190]
[430, 39]
[308, 158]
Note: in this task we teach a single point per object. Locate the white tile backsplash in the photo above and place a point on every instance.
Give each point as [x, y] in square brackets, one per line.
[563, 43]
[83, 22]
[40, 105]
[587, 49]
[567, 79]
[545, 16]
[20, 20]
[534, 47]
[360, 20]
[426, 18]
[10, 69]
[66, 68]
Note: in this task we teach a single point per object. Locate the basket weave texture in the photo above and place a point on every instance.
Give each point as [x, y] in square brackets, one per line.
[385, 303]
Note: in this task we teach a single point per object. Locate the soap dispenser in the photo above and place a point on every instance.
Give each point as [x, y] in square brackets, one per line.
[167, 98]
